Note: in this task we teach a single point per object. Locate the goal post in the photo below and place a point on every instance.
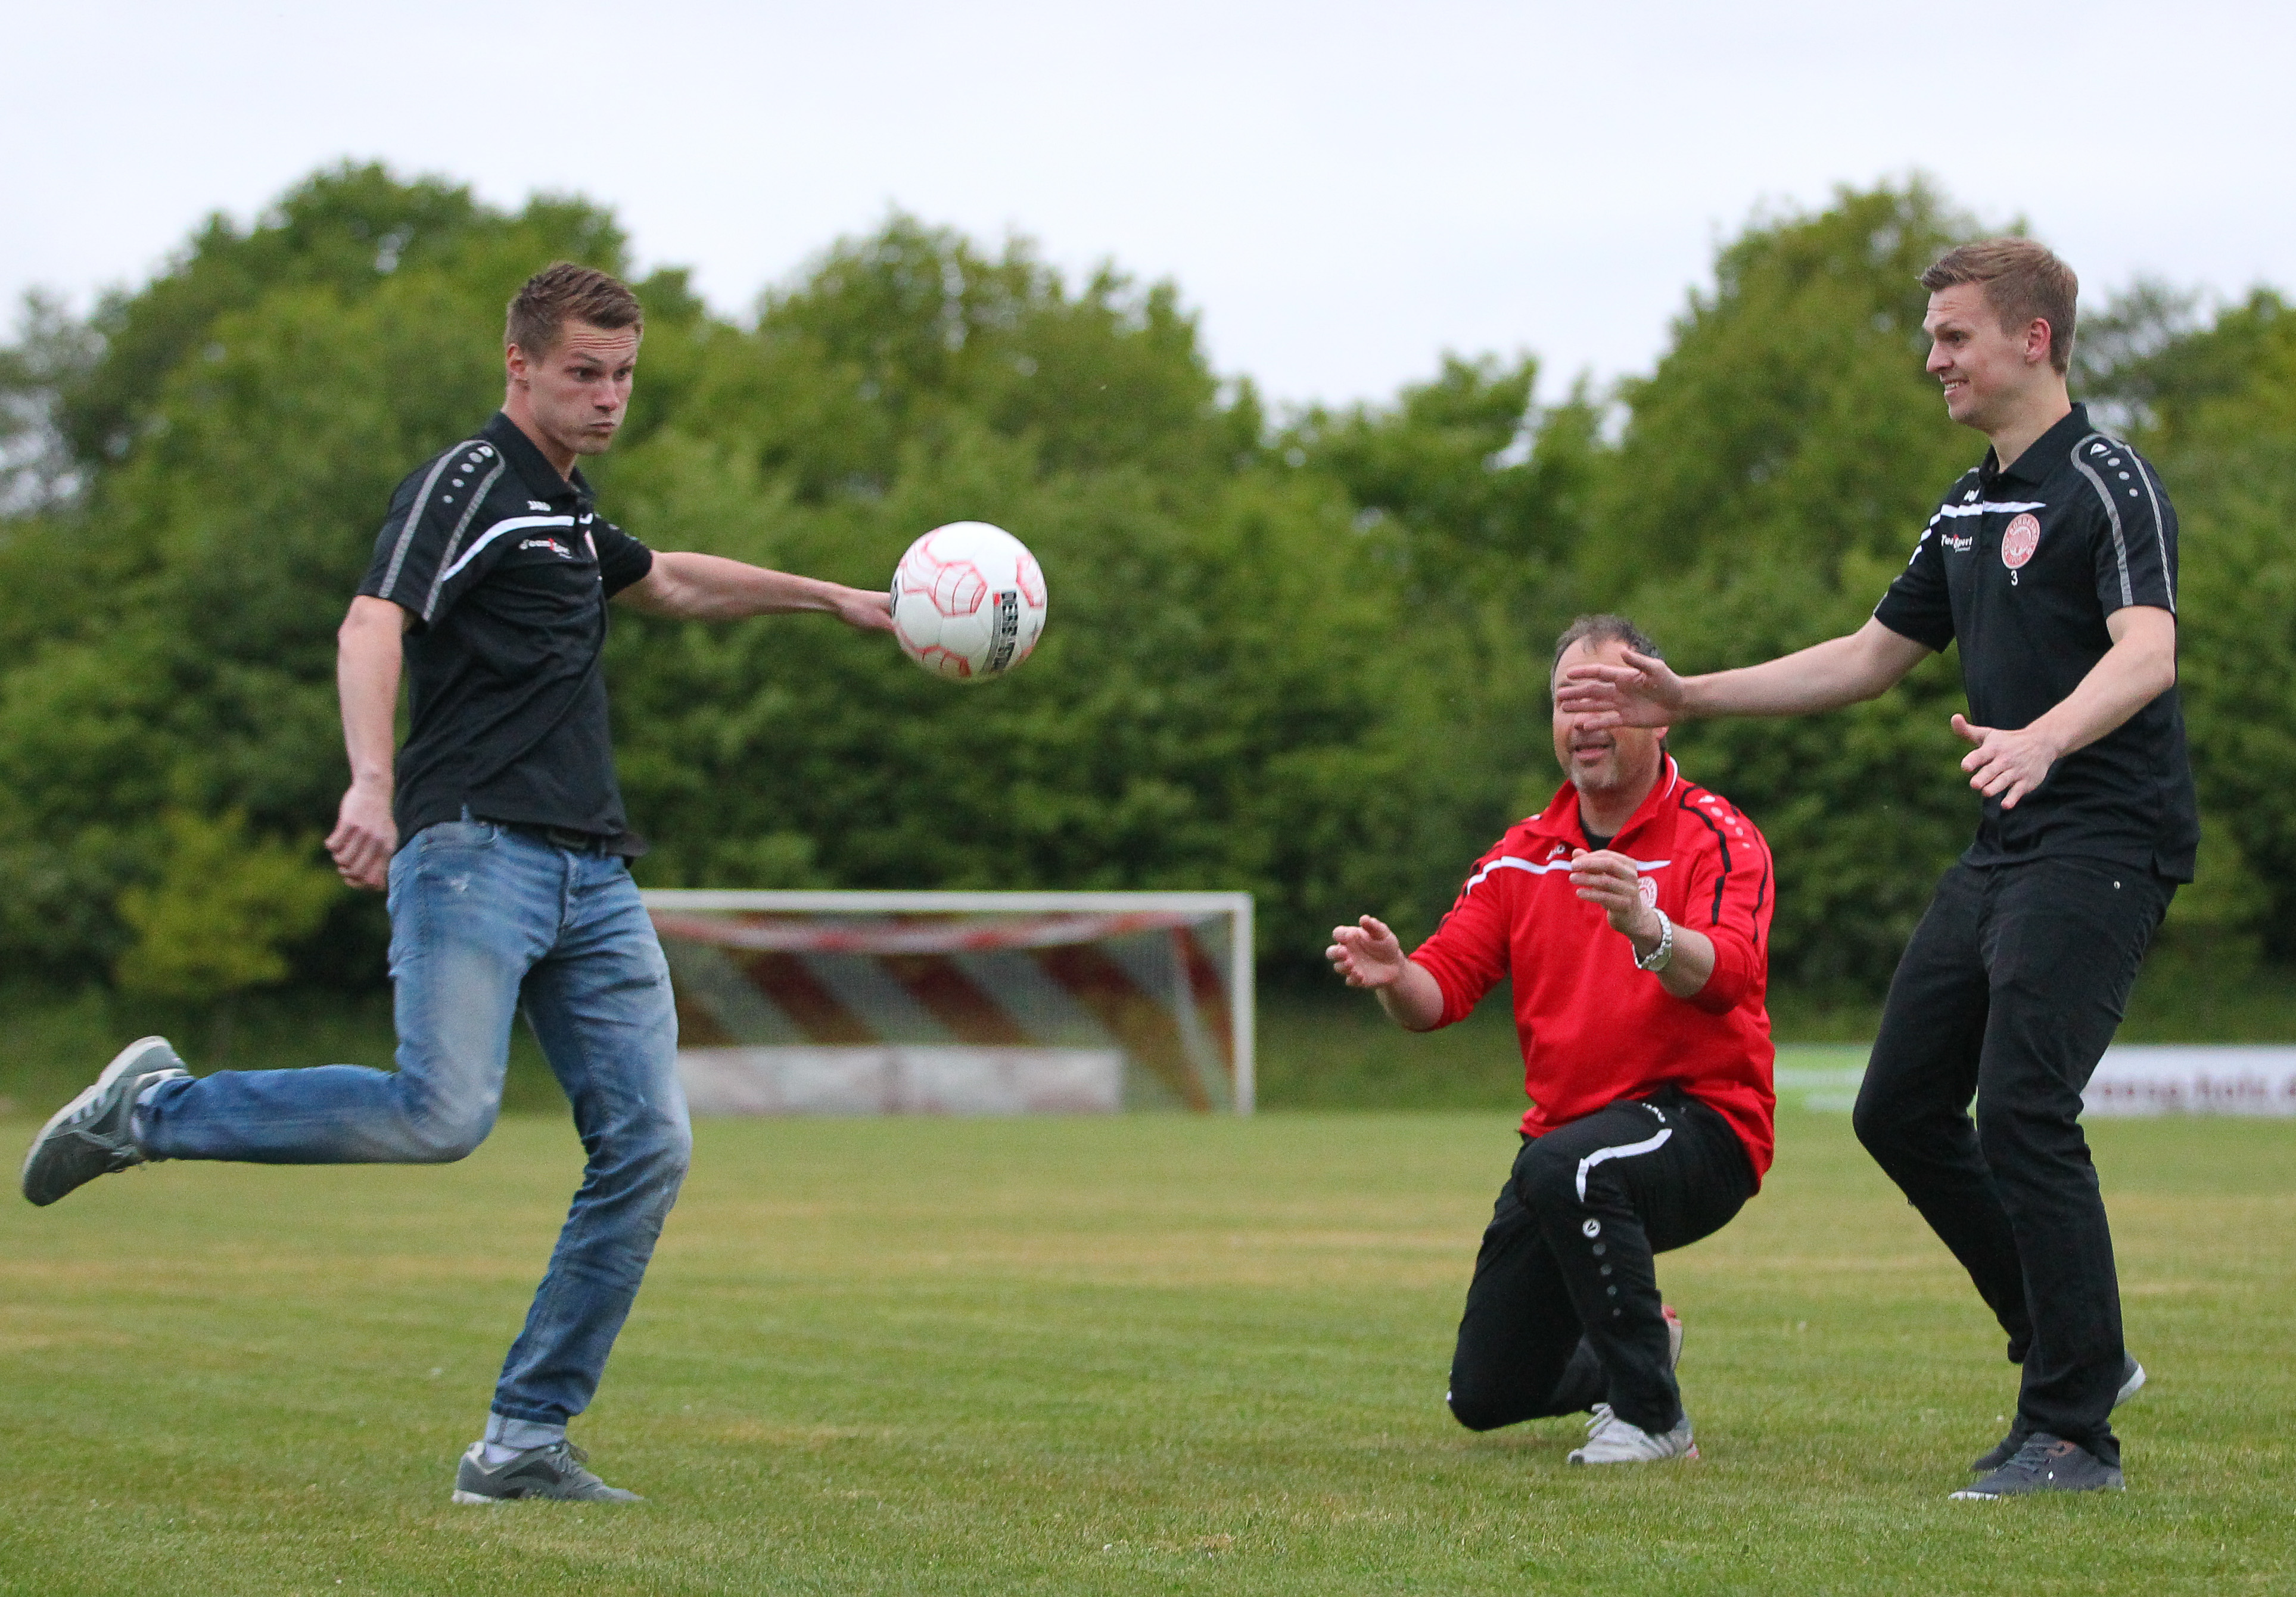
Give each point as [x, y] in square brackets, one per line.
[803, 1001]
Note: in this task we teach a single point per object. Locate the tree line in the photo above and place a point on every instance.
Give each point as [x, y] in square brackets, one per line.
[1301, 653]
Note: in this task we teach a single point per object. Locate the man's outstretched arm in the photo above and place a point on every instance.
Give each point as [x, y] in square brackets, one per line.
[709, 588]
[1646, 693]
[368, 656]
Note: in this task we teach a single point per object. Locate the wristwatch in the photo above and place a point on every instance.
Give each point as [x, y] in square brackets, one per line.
[1660, 957]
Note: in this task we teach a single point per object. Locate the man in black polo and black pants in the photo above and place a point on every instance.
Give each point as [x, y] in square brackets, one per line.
[489, 587]
[2053, 565]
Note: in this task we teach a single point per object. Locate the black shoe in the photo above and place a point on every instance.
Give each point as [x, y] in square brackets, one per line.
[2132, 1382]
[89, 1136]
[555, 1471]
[2045, 1463]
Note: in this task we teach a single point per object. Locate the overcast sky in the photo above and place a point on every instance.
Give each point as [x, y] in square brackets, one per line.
[1343, 190]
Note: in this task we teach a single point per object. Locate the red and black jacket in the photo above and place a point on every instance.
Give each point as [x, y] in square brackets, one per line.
[1594, 1029]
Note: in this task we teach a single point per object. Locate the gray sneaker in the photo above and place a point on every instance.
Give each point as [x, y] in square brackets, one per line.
[555, 1471]
[89, 1136]
[2045, 1463]
[2132, 1382]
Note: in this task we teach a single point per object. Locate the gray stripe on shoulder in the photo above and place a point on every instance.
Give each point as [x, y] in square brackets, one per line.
[455, 541]
[2160, 525]
[415, 514]
[2111, 512]
[2145, 475]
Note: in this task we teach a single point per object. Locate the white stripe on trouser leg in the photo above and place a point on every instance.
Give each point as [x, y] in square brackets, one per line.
[1624, 1151]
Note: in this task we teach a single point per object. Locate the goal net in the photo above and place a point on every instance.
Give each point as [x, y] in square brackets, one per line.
[889, 1002]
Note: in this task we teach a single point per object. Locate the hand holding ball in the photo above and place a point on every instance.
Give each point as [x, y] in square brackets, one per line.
[968, 600]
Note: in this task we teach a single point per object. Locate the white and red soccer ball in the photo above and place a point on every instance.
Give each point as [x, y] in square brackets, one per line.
[968, 600]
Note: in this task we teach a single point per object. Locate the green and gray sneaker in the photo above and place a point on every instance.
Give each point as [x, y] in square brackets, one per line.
[555, 1471]
[88, 1137]
[2132, 1382]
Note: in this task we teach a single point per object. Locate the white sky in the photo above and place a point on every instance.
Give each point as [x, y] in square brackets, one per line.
[1342, 190]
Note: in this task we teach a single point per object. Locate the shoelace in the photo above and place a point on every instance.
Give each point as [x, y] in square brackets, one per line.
[2039, 1450]
[567, 1453]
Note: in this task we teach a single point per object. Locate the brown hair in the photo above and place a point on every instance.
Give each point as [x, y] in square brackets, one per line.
[564, 292]
[2023, 282]
[1602, 630]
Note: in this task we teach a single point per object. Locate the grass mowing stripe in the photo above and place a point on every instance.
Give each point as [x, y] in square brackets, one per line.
[1144, 1354]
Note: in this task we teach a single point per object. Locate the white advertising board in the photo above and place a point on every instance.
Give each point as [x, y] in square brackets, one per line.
[2136, 1078]
[898, 1079]
[2194, 1079]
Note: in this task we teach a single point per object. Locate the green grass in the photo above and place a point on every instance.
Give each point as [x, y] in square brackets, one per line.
[1317, 1050]
[1137, 1354]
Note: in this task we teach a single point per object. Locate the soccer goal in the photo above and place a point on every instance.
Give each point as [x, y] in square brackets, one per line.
[890, 1002]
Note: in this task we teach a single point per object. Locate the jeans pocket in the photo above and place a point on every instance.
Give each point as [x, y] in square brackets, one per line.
[459, 834]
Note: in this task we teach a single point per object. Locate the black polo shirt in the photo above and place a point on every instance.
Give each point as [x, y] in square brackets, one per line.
[506, 568]
[2022, 567]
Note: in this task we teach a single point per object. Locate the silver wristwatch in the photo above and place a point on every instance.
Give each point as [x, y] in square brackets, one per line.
[1660, 957]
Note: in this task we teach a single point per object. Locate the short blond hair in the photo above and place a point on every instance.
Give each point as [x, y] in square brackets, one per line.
[2024, 281]
[563, 292]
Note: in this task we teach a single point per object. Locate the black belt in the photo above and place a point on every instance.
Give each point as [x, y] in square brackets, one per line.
[628, 845]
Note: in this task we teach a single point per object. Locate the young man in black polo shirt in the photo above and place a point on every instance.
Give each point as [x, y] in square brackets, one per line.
[499, 834]
[2053, 565]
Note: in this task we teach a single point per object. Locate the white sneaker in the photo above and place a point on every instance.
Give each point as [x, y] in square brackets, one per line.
[1610, 1440]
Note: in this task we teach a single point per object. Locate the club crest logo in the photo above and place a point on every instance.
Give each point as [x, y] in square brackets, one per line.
[2019, 542]
[1647, 890]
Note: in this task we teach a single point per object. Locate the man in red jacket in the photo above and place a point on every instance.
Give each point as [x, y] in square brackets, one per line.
[1633, 913]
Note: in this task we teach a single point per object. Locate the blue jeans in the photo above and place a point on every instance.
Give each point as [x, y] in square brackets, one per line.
[484, 920]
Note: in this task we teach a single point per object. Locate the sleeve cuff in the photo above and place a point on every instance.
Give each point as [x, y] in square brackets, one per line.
[1453, 1012]
[1735, 975]
[1934, 638]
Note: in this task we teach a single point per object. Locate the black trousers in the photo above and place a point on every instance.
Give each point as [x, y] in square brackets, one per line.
[1563, 1312]
[2009, 992]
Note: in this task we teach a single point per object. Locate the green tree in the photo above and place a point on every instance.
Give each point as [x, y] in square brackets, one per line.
[2215, 407]
[1773, 472]
[233, 430]
[1306, 658]
[219, 917]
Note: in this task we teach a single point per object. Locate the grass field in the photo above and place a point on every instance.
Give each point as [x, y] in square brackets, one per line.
[1147, 1353]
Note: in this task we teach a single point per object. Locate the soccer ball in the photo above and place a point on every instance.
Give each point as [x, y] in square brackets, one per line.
[968, 600]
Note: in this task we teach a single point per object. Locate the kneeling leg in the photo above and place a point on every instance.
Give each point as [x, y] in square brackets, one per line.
[1520, 1354]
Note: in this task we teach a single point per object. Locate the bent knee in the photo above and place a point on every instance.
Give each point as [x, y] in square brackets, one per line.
[659, 1149]
[444, 1141]
[2013, 1141]
[675, 1157]
[1477, 1412]
[1877, 1128]
[670, 1144]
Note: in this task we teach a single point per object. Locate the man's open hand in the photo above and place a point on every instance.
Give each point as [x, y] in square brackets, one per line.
[364, 840]
[1611, 880]
[2010, 763]
[1645, 691]
[1366, 954]
[865, 609]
